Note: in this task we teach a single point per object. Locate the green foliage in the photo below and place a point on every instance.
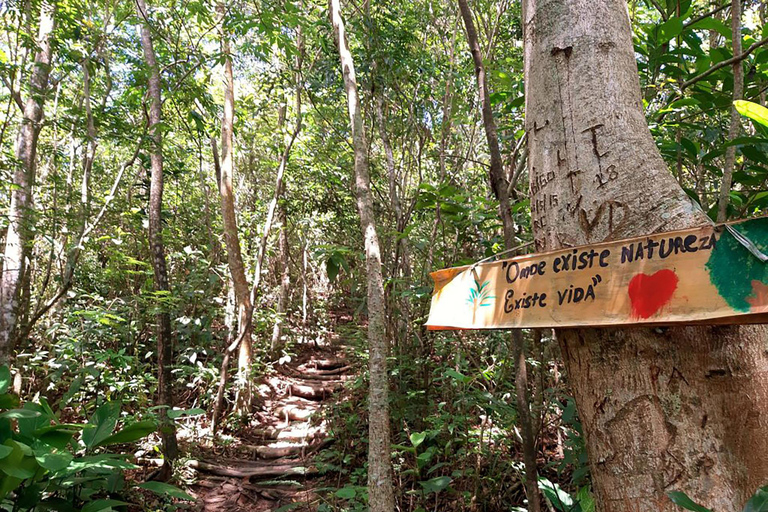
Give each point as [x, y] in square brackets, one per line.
[758, 502]
[44, 462]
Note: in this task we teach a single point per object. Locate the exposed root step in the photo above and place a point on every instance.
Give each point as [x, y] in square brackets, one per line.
[278, 450]
[295, 412]
[317, 390]
[285, 449]
[297, 431]
[302, 372]
[329, 363]
[244, 469]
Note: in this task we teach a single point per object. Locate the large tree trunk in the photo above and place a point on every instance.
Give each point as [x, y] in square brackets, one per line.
[380, 493]
[500, 189]
[18, 239]
[683, 408]
[156, 249]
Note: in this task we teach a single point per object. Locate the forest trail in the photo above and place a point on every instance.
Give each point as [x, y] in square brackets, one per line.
[270, 467]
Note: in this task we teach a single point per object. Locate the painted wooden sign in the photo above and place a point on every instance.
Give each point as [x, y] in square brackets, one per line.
[703, 275]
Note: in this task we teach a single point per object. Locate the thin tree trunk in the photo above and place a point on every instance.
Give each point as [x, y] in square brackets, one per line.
[682, 408]
[282, 243]
[157, 250]
[444, 139]
[501, 191]
[496, 173]
[284, 157]
[231, 238]
[380, 492]
[735, 125]
[18, 238]
[285, 279]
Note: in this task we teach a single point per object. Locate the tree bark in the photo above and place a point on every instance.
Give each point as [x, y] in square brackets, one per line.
[18, 239]
[682, 408]
[156, 248]
[282, 216]
[500, 189]
[231, 237]
[380, 492]
[496, 173]
[735, 125]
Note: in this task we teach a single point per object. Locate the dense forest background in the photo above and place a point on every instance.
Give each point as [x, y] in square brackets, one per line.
[83, 344]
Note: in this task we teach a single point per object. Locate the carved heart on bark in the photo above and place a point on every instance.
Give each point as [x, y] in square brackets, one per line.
[649, 294]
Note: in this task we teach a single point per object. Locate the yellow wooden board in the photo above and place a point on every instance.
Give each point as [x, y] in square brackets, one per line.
[702, 275]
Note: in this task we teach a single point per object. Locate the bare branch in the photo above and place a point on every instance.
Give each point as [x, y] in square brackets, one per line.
[725, 63]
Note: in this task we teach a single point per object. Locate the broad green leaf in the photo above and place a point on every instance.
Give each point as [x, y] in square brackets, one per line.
[290, 506]
[5, 378]
[5, 451]
[19, 413]
[560, 499]
[9, 401]
[417, 438]
[99, 505]
[53, 459]
[130, 433]
[669, 30]
[105, 461]
[346, 493]
[436, 484]
[586, 500]
[758, 502]
[178, 413]
[164, 489]
[104, 421]
[450, 372]
[713, 24]
[755, 112]
[18, 464]
[681, 499]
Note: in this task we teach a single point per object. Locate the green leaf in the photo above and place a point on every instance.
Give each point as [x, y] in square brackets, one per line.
[164, 489]
[560, 499]
[178, 413]
[17, 464]
[5, 378]
[436, 484]
[669, 30]
[9, 401]
[758, 502]
[19, 414]
[346, 493]
[450, 372]
[129, 434]
[713, 24]
[99, 505]
[681, 499]
[290, 506]
[5, 451]
[417, 438]
[51, 458]
[54, 461]
[755, 112]
[585, 500]
[104, 421]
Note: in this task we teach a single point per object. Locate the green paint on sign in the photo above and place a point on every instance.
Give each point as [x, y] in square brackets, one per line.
[732, 268]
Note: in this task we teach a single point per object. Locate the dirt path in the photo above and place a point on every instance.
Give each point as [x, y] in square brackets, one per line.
[271, 467]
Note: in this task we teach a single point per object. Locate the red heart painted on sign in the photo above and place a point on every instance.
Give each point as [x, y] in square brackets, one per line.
[649, 294]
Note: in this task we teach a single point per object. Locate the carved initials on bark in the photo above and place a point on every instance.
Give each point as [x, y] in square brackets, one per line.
[611, 207]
